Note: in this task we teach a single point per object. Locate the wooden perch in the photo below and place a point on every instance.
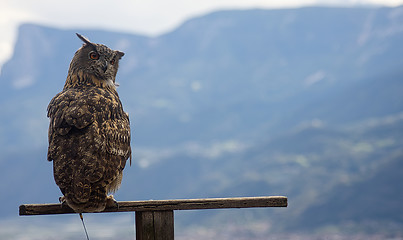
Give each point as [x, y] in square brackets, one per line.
[155, 218]
[162, 205]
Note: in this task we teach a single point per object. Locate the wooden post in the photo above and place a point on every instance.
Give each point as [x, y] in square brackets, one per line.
[155, 225]
[155, 218]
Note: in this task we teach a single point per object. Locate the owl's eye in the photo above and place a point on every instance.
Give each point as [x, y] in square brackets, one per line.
[94, 55]
[112, 61]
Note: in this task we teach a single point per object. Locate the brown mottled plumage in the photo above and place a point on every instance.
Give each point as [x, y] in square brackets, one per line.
[89, 133]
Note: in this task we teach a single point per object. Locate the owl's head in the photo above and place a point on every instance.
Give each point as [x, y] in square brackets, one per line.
[96, 60]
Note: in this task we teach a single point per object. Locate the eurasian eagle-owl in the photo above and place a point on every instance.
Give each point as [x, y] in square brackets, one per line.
[89, 133]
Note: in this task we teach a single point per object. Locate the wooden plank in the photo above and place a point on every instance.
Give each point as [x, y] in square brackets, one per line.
[145, 226]
[155, 225]
[158, 205]
[164, 225]
[44, 209]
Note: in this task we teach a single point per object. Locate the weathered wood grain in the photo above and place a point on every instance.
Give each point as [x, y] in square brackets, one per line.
[155, 225]
[159, 205]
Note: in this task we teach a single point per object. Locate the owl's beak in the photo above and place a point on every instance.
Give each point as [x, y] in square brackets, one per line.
[104, 66]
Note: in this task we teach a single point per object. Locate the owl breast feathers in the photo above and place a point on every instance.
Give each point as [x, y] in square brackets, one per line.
[89, 133]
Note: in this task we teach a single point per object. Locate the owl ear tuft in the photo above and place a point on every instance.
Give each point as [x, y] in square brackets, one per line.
[84, 39]
[120, 54]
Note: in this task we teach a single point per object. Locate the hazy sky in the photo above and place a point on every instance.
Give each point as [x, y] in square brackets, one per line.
[149, 17]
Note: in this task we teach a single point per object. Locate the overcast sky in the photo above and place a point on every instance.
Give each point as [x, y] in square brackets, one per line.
[150, 17]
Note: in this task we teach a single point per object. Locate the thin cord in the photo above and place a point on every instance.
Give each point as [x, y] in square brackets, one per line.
[85, 229]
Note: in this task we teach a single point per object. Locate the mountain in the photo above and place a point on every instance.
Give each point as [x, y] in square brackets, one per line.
[298, 102]
[215, 69]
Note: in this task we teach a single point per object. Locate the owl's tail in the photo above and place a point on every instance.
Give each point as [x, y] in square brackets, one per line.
[91, 200]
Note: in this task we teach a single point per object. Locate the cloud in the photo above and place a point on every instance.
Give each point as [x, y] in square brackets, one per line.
[23, 82]
[212, 151]
[151, 17]
[315, 77]
[196, 86]
[10, 18]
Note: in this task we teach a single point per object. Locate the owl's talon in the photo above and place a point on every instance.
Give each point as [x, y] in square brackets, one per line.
[111, 202]
[62, 200]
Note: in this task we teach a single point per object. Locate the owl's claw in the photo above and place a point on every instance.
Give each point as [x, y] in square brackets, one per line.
[62, 200]
[111, 202]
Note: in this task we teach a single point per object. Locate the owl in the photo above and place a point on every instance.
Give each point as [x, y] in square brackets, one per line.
[89, 133]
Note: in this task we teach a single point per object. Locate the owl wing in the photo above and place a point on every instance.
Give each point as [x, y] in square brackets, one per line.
[69, 109]
[117, 136]
[117, 146]
[89, 139]
[77, 109]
